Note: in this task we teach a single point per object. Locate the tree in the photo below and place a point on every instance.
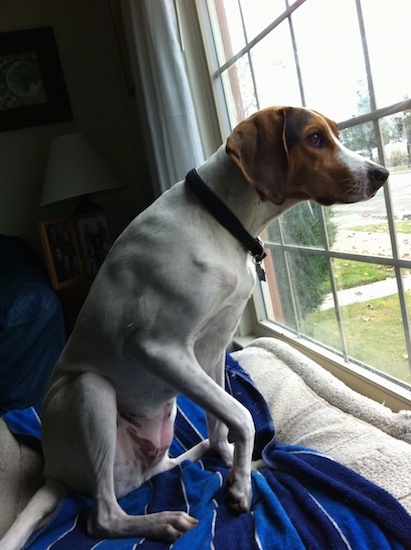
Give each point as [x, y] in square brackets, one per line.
[361, 138]
[401, 130]
[302, 278]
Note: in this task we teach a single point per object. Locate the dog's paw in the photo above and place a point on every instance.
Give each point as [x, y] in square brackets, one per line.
[170, 526]
[163, 526]
[239, 493]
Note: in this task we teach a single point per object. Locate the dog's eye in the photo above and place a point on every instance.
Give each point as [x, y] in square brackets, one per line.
[317, 139]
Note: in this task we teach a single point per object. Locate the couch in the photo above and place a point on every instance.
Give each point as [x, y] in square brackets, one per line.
[310, 409]
[32, 332]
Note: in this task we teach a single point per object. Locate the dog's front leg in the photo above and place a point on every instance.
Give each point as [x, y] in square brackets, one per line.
[231, 434]
[218, 432]
[235, 456]
[178, 366]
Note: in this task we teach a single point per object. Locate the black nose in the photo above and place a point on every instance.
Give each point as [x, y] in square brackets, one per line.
[379, 174]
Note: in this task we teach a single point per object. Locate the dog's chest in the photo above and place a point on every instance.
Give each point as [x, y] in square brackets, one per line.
[142, 442]
[230, 304]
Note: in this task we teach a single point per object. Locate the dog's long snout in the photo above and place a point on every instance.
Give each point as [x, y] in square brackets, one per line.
[378, 174]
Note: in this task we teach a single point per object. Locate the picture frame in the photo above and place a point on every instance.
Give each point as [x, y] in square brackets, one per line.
[62, 253]
[32, 86]
[117, 20]
[95, 239]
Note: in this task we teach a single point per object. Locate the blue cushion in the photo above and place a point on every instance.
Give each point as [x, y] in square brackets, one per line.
[23, 301]
[32, 332]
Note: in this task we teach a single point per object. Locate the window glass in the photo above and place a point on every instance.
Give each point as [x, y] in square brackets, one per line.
[367, 310]
[331, 59]
[237, 22]
[397, 140]
[261, 79]
[340, 276]
[274, 69]
[229, 37]
[302, 226]
[387, 28]
[257, 14]
[362, 228]
[240, 91]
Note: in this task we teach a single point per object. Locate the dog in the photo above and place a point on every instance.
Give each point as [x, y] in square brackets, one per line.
[159, 316]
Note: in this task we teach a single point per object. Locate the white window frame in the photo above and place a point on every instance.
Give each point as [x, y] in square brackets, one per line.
[214, 126]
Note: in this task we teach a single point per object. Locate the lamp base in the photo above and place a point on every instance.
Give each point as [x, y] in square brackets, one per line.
[86, 206]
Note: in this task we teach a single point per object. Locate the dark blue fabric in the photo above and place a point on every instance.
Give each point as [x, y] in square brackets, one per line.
[32, 332]
[302, 500]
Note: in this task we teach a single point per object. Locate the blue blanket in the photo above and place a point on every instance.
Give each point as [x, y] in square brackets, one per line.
[302, 500]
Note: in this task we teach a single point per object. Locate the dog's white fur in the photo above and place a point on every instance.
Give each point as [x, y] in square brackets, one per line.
[159, 316]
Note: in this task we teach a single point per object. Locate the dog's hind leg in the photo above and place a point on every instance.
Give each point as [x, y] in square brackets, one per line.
[80, 438]
[41, 504]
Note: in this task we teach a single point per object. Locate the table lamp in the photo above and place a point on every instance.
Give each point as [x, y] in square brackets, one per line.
[76, 169]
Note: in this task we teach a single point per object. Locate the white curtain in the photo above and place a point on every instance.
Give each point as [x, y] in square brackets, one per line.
[162, 88]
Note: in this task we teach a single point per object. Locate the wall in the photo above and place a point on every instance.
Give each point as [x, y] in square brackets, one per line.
[102, 108]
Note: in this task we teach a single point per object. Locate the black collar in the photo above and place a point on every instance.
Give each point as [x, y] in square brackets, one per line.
[223, 215]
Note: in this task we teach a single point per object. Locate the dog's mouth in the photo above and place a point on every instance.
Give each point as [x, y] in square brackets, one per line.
[327, 201]
[324, 201]
[367, 196]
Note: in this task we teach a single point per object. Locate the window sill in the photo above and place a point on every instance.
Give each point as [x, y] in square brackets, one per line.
[364, 382]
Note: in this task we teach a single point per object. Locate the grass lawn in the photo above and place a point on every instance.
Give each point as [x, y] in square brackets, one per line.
[373, 331]
[349, 274]
[366, 323]
[401, 227]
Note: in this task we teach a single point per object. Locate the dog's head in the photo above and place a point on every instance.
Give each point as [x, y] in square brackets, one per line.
[292, 152]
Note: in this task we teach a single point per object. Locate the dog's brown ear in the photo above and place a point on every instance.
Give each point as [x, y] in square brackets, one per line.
[257, 145]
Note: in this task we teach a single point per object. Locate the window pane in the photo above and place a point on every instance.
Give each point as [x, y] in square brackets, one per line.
[331, 58]
[389, 50]
[258, 14]
[274, 69]
[236, 23]
[302, 226]
[299, 283]
[396, 131]
[239, 91]
[362, 228]
[400, 186]
[228, 28]
[277, 290]
[322, 282]
[322, 326]
[366, 311]
[262, 79]
[361, 138]
[368, 304]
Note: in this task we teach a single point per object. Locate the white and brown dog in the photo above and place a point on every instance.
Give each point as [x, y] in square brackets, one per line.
[159, 316]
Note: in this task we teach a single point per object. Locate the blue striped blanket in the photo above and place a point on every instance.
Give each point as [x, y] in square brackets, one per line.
[302, 500]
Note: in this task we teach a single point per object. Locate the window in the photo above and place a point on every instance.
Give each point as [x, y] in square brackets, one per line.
[340, 277]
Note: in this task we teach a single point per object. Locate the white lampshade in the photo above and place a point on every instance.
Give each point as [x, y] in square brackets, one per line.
[75, 168]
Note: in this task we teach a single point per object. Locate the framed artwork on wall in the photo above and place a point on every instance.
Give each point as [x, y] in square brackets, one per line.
[95, 240]
[61, 250]
[32, 87]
